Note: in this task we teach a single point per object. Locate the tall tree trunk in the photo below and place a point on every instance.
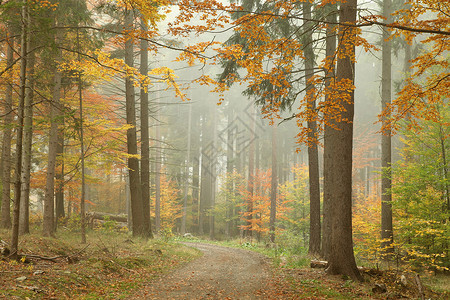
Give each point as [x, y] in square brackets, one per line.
[274, 185]
[158, 153]
[342, 259]
[195, 176]
[24, 220]
[145, 139]
[59, 193]
[55, 112]
[313, 153]
[20, 118]
[82, 153]
[386, 155]
[327, 149]
[186, 183]
[205, 183]
[213, 173]
[251, 170]
[133, 162]
[229, 180]
[6, 145]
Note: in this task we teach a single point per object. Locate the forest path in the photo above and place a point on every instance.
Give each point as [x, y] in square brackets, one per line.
[221, 273]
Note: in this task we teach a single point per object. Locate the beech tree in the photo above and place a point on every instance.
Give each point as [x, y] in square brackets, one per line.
[132, 148]
[386, 157]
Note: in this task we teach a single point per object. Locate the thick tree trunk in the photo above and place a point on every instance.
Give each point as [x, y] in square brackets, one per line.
[313, 153]
[6, 145]
[274, 185]
[49, 204]
[342, 259]
[137, 210]
[145, 139]
[386, 155]
[24, 220]
[327, 149]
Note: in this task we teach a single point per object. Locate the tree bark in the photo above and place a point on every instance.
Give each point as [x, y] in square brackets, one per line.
[328, 131]
[274, 185]
[132, 149]
[59, 193]
[229, 180]
[49, 205]
[6, 146]
[195, 176]
[24, 220]
[186, 183]
[158, 153]
[248, 232]
[20, 118]
[342, 259]
[386, 155]
[145, 138]
[213, 162]
[205, 182]
[313, 153]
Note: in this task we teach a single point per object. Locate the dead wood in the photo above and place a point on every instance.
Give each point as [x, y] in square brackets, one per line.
[70, 258]
[319, 264]
[104, 216]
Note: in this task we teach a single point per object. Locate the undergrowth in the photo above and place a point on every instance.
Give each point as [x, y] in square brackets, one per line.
[112, 265]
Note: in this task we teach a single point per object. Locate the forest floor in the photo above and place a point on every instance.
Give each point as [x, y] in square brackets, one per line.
[112, 265]
[230, 273]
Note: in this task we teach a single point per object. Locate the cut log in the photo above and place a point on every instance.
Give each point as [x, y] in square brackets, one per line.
[319, 264]
[91, 216]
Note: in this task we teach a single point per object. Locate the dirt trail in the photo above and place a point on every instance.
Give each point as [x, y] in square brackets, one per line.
[221, 273]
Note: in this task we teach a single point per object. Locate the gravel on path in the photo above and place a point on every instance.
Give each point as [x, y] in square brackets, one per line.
[221, 273]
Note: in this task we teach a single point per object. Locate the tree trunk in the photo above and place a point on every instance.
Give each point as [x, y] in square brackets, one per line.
[274, 185]
[229, 180]
[145, 139]
[327, 149]
[132, 149]
[49, 204]
[342, 259]
[24, 220]
[195, 177]
[251, 170]
[186, 183]
[6, 146]
[386, 157]
[82, 153]
[158, 153]
[313, 154]
[205, 182]
[59, 193]
[213, 162]
[20, 118]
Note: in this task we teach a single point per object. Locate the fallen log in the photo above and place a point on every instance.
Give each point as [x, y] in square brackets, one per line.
[104, 216]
